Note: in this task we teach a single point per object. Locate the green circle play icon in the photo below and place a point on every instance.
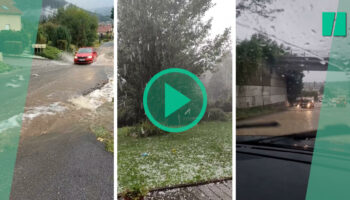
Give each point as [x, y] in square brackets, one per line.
[175, 100]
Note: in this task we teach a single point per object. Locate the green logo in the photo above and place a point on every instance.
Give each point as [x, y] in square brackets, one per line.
[328, 19]
[175, 100]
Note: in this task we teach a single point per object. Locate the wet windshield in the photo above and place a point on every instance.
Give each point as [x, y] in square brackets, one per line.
[282, 63]
[85, 50]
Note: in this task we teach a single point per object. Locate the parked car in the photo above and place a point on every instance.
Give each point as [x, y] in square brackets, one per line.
[85, 55]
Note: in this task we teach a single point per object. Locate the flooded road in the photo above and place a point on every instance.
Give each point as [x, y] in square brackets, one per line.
[293, 120]
[58, 156]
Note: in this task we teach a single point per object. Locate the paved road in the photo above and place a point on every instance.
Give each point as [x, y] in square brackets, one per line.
[291, 121]
[212, 191]
[58, 157]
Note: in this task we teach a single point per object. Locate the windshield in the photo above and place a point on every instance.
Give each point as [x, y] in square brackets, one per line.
[282, 61]
[85, 50]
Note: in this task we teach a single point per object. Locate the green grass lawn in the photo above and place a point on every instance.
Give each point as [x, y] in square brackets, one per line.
[200, 154]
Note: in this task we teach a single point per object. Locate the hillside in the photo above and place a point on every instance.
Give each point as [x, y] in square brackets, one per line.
[51, 6]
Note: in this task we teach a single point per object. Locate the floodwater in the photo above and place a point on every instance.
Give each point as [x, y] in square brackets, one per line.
[58, 156]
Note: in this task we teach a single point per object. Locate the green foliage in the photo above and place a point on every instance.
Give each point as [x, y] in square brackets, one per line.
[252, 54]
[215, 114]
[255, 54]
[4, 67]
[62, 44]
[51, 53]
[82, 25]
[62, 38]
[154, 35]
[136, 192]
[145, 129]
[126, 112]
[41, 37]
[50, 30]
[104, 136]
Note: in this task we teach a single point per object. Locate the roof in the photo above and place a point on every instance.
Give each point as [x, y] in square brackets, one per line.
[8, 7]
[104, 28]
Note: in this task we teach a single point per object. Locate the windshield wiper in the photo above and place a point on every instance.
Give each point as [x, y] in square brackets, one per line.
[258, 125]
[292, 141]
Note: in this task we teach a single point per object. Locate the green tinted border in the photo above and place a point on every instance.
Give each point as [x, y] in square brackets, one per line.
[194, 122]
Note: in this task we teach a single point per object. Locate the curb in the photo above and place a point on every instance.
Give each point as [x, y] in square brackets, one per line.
[186, 185]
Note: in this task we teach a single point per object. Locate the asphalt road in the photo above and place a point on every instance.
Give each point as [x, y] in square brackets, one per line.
[58, 156]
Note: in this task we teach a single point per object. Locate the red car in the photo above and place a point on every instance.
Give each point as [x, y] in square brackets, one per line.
[85, 55]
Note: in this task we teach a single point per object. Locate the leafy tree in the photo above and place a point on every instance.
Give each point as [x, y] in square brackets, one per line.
[81, 25]
[154, 35]
[62, 35]
[252, 54]
[51, 31]
[41, 37]
[261, 52]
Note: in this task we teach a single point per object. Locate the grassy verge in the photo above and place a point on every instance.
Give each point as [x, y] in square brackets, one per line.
[104, 136]
[200, 154]
[4, 67]
[257, 111]
[51, 53]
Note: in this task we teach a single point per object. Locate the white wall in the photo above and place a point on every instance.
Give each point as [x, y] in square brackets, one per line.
[13, 20]
[253, 95]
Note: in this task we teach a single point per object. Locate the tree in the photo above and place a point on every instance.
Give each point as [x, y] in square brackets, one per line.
[154, 35]
[261, 52]
[81, 25]
[63, 38]
[259, 7]
[254, 53]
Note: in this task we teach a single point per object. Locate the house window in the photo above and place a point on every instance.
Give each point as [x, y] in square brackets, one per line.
[7, 27]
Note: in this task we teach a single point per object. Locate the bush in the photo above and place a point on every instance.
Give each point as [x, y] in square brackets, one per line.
[126, 116]
[13, 47]
[4, 67]
[215, 114]
[62, 44]
[145, 129]
[51, 53]
[135, 193]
